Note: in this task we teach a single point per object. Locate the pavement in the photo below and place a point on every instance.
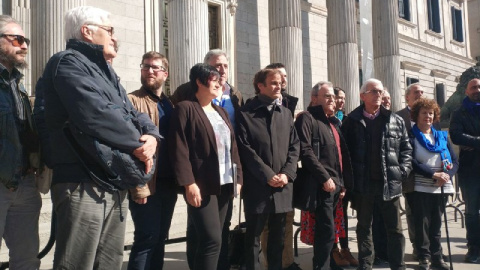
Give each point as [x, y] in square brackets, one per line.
[175, 257]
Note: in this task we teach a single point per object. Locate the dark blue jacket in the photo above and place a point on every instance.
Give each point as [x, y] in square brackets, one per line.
[79, 86]
[12, 148]
[465, 131]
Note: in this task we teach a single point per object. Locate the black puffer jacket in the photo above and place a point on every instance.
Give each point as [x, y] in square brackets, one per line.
[396, 152]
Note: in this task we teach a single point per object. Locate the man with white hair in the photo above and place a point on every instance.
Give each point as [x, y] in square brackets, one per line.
[381, 159]
[80, 87]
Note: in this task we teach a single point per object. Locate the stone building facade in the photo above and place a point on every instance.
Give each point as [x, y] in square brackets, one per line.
[429, 41]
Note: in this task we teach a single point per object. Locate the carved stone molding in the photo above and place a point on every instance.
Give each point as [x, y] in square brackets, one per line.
[439, 73]
[411, 66]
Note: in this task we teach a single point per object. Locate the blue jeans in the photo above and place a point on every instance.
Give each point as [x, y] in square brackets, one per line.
[152, 223]
[470, 186]
[19, 212]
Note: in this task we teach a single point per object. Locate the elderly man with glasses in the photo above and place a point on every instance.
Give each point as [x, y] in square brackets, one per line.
[381, 159]
[21, 203]
[80, 87]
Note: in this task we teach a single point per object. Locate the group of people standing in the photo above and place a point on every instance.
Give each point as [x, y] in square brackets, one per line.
[206, 143]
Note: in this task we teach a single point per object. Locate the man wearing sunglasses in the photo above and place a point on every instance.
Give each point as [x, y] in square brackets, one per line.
[21, 202]
[80, 87]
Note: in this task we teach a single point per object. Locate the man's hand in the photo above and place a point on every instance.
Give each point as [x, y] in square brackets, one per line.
[283, 179]
[329, 186]
[239, 189]
[275, 181]
[192, 192]
[141, 201]
[148, 149]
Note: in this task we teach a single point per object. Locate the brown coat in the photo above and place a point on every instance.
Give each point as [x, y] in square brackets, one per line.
[193, 149]
[145, 103]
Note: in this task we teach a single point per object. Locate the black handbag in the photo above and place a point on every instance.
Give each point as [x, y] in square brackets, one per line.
[305, 187]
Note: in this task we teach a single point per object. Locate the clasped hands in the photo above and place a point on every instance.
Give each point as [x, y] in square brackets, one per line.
[146, 151]
[279, 180]
[441, 178]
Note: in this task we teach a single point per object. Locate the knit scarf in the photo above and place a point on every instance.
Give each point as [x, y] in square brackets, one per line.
[472, 107]
[440, 146]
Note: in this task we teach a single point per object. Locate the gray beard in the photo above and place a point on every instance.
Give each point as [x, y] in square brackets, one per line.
[8, 58]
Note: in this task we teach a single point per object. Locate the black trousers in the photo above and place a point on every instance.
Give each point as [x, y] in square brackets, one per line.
[427, 215]
[276, 237]
[344, 240]
[324, 228]
[391, 215]
[379, 234]
[207, 222]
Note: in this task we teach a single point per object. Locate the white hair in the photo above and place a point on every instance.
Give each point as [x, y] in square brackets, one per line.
[319, 85]
[212, 53]
[363, 89]
[77, 17]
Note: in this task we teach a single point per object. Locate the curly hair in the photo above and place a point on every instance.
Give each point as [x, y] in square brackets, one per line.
[428, 104]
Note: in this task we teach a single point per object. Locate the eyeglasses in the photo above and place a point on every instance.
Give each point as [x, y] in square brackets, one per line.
[17, 40]
[375, 92]
[109, 29]
[154, 68]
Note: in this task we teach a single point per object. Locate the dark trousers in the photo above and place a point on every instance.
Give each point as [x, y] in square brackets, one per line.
[470, 186]
[379, 233]
[207, 221]
[223, 260]
[427, 215]
[391, 215]
[152, 223]
[324, 228]
[410, 221]
[275, 242]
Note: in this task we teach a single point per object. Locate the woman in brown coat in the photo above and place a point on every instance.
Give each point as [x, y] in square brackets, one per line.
[206, 162]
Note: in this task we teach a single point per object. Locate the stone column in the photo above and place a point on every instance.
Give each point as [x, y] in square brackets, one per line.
[285, 18]
[187, 37]
[386, 50]
[48, 35]
[343, 50]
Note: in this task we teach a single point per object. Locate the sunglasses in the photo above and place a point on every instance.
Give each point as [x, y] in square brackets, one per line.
[17, 40]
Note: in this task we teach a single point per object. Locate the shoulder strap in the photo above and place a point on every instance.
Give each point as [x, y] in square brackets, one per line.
[315, 135]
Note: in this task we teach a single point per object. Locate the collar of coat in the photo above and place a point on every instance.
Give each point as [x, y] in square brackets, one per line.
[357, 113]
[318, 113]
[258, 104]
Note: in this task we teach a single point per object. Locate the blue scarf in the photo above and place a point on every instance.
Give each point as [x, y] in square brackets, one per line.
[339, 115]
[441, 140]
[472, 107]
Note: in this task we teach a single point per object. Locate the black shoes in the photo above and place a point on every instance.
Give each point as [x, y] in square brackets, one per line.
[440, 265]
[423, 264]
[293, 266]
[472, 255]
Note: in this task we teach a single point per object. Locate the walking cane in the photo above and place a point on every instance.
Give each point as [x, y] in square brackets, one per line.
[446, 228]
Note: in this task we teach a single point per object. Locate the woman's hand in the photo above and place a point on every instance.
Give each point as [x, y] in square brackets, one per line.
[192, 192]
[441, 178]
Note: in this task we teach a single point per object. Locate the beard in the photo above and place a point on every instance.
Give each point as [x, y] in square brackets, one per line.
[11, 59]
[151, 86]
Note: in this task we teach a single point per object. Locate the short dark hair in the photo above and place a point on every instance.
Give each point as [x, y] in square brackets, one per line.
[156, 55]
[428, 104]
[261, 77]
[337, 90]
[203, 73]
[275, 66]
